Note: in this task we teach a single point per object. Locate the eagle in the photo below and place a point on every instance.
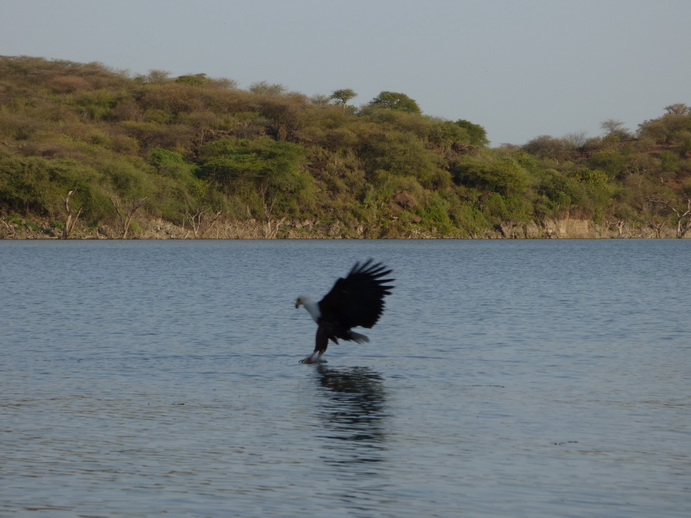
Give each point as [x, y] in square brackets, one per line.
[356, 300]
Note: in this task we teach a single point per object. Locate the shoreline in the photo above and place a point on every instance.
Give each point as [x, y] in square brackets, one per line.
[255, 230]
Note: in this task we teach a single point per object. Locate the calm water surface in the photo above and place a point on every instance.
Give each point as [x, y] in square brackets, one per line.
[512, 378]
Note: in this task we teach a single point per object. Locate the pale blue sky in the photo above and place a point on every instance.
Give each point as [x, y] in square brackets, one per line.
[519, 68]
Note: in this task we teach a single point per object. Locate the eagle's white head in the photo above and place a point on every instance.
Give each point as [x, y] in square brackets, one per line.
[310, 305]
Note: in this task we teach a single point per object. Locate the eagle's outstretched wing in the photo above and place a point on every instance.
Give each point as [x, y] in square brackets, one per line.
[357, 299]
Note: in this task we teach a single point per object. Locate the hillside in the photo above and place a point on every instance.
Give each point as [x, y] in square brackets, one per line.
[86, 151]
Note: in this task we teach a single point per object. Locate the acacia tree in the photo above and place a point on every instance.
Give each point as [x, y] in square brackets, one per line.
[615, 128]
[266, 88]
[157, 76]
[396, 101]
[343, 96]
[476, 133]
[264, 170]
[678, 109]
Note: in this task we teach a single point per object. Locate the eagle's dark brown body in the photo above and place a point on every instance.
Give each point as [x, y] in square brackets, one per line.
[354, 300]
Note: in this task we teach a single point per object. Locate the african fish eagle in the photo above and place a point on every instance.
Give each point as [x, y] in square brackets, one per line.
[356, 300]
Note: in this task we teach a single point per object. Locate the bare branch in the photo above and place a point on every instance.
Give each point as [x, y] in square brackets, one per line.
[197, 221]
[126, 217]
[683, 216]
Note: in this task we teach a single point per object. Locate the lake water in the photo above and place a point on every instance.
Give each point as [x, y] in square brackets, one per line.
[505, 379]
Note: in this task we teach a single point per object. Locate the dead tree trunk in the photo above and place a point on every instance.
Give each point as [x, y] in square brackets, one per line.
[683, 216]
[199, 224]
[10, 232]
[657, 227]
[683, 219]
[70, 217]
[272, 226]
[125, 214]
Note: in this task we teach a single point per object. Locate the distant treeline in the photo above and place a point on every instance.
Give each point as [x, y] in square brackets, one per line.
[83, 147]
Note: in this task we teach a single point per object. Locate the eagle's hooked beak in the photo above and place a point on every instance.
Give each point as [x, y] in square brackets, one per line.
[298, 303]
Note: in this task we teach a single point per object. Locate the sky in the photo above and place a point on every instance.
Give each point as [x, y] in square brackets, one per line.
[518, 68]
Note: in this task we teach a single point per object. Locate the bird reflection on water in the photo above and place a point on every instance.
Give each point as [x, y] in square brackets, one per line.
[353, 413]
